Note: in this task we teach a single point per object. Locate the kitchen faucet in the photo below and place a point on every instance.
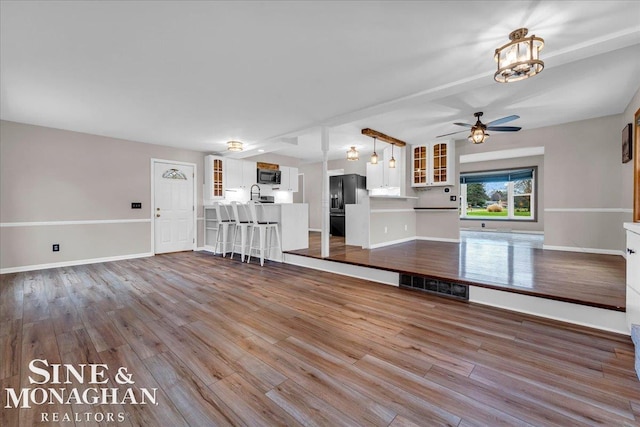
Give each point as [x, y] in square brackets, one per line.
[252, 193]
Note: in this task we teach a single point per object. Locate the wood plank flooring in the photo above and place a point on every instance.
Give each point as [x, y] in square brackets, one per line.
[583, 278]
[226, 343]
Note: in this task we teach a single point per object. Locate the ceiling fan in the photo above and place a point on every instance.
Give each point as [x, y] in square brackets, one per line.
[478, 131]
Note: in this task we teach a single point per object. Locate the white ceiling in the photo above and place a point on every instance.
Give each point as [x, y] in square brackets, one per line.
[197, 74]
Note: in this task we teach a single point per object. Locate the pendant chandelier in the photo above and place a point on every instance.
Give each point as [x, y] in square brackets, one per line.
[352, 154]
[392, 161]
[374, 156]
[520, 58]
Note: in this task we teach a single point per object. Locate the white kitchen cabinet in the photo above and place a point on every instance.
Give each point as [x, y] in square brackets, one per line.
[233, 174]
[381, 176]
[249, 173]
[214, 168]
[288, 179]
[240, 174]
[432, 164]
[375, 175]
[633, 274]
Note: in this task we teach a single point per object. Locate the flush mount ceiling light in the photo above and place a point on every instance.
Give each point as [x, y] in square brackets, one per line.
[520, 58]
[374, 156]
[352, 154]
[392, 160]
[234, 146]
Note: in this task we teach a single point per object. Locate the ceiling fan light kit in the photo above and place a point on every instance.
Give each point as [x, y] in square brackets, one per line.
[478, 136]
[234, 146]
[520, 58]
[478, 131]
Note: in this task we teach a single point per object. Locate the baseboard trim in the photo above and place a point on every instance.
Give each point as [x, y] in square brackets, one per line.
[584, 250]
[391, 242]
[72, 263]
[359, 272]
[497, 230]
[438, 239]
[599, 210]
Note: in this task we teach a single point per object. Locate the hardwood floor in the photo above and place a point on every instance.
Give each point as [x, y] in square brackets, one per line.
[226, 343]
[591, 279]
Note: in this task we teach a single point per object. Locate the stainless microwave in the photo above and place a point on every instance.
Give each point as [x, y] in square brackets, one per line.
[268, 176]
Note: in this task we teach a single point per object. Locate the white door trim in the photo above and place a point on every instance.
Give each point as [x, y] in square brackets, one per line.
[153, 201]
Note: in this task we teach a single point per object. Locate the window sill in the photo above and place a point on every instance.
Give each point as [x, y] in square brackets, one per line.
[489, 218]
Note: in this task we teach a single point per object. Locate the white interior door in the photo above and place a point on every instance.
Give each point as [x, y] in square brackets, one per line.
[174, 208]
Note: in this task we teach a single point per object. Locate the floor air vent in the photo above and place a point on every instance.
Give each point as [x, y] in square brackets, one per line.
[435, 286]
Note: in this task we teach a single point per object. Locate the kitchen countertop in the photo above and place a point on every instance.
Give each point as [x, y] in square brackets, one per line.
[392, 197]
[633, 226]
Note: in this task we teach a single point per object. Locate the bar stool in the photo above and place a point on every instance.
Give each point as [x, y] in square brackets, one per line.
[223, 221]
[262, 227]
[240, 221]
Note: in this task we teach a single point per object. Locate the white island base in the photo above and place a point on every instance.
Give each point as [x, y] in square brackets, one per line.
[293, 226]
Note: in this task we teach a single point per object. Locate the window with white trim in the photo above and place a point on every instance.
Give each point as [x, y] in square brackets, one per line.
[501, 195]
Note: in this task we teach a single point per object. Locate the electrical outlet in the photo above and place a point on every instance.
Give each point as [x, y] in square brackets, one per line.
[136, 205]
[453, 198]
[56, 247]
[483, 225]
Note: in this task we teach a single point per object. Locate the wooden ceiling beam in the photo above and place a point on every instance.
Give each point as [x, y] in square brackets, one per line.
[382, 137]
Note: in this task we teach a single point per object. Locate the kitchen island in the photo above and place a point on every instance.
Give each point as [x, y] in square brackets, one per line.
[293, 226]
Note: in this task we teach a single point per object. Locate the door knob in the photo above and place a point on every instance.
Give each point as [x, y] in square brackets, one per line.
[157, 215]
[157, 209]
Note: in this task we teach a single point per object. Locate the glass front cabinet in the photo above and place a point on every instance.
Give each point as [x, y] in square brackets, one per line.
[213, 178]
[432, 164]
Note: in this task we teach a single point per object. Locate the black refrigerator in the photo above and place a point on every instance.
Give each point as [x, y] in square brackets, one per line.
[344, 190]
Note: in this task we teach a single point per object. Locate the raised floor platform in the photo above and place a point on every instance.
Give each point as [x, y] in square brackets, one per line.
[486, 265]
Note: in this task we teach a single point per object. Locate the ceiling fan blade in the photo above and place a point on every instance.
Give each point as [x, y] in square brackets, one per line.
[504, 128]
[452, 133]
[503, 120]
[467, 125]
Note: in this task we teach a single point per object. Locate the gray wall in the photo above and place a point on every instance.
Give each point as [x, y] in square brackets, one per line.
[626, 183]
[56, 175]
[583, 198]
[501, 225]
[391, 220]
[313, 184]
